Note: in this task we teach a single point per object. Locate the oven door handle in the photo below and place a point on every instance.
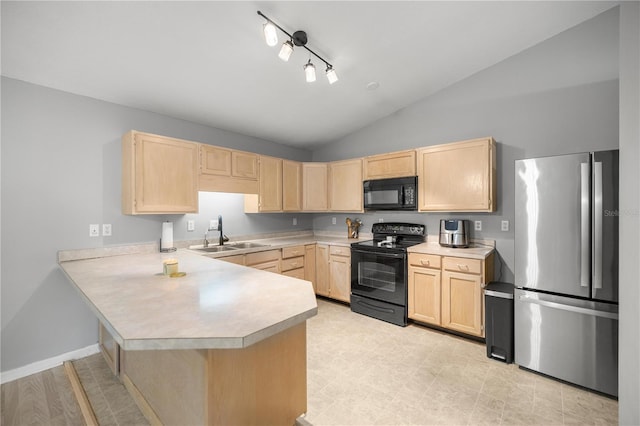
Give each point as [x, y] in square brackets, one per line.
[378, 252]
[375, 308]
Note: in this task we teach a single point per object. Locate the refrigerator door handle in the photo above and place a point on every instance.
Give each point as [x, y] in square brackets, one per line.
[585, 225]
[597, 225]
[570, 308]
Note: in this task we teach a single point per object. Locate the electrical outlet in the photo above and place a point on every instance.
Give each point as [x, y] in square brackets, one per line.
[94, 230]
[380, 220]
[191, 225]
[213, 224]
[478, 225]
[504, 225]
[106, 229]
[333, 220]
[295, 221]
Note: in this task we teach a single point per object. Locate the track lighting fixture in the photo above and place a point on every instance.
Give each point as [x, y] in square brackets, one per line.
[299, 39]
[286, 50]
[270, 34]
[310, 72]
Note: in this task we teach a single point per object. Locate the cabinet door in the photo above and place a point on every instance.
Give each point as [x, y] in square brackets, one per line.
[270, 181]
[394, 164]
[291, 186]
[345, 186]
[457, 176]
[159, 175]
[322, 269]
[424, 295]
[462, 303]
[215, 160]
[310, 265]
[314, 187]
[340, 278]
[244, 164]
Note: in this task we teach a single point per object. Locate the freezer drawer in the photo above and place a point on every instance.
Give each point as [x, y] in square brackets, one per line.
[571, 339]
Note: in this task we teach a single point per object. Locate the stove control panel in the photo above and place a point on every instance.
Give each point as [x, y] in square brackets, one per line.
[398, 228]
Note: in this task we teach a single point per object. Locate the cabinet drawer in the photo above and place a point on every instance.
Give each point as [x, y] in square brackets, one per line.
[294, 251]
[424, 260]
[461, 264]
[339, 251]
[295, 273]
[292, 263]
[261, 257]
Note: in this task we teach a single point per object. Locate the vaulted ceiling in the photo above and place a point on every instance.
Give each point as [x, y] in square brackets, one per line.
[207, 62]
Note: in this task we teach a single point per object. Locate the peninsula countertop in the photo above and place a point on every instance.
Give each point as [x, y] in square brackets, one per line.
[215, 305]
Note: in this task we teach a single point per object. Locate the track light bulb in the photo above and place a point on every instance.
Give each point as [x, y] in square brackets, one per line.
[286, 50]
[331, 75]
[310, 72]
[270, 34]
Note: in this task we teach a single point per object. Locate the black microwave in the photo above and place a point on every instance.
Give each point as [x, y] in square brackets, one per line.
[391, 194]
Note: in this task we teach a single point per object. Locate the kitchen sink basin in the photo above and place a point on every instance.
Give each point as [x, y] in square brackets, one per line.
[245, 245]
[216, 249]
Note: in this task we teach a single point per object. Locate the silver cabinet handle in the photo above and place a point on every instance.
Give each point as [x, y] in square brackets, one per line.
[597, 224]
[585, 225]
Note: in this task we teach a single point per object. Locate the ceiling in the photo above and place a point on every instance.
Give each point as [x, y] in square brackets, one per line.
[207, 62]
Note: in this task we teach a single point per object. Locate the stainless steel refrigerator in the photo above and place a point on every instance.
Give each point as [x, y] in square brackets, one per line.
[566, 268]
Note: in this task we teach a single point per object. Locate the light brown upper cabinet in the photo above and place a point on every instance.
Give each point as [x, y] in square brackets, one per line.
[228, 170]
[269, 197]
[345, 186]
[314, 187]
[458, 177]
[291, 186]
[393, 164]
[159, 174]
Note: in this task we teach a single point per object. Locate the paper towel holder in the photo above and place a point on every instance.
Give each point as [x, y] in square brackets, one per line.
[166, 250]
[167, 234]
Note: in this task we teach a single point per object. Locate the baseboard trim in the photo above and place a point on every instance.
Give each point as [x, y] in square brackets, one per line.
[45, 364]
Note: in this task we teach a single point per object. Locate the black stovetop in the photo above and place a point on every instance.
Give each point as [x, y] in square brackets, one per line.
[394, 236]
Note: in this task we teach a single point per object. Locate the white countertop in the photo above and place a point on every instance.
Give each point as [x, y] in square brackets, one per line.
[474, 252]
[216, 305]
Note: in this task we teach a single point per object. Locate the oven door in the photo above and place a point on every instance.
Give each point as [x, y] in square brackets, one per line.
[379, 275]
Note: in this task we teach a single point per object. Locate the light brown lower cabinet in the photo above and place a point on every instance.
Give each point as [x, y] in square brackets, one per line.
[322, 269]
[310, 264]
[449, 291]
[424, 288]
[293, 262]
[333, 271]
[265, 260]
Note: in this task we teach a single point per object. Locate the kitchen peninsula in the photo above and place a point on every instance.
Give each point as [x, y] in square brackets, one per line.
[223, 344]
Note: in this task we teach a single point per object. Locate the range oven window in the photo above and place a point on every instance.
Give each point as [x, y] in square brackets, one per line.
[379, 275]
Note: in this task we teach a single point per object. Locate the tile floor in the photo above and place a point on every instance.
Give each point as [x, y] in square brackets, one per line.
[363, 371]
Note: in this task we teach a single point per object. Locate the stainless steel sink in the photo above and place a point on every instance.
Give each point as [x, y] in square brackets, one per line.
[216, 249]
[245, 245]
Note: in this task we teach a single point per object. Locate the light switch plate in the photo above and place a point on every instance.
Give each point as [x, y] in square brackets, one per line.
[213, 224]
[295, 221]
[106, 229]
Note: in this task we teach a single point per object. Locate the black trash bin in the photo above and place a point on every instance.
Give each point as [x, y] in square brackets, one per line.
[498, 320]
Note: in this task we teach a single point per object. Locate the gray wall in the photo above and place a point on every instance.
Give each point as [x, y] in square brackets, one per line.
[533, 104]
[61, 165]
[629, 373]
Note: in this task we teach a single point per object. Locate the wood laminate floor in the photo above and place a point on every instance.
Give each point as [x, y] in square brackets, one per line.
[361, 371]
